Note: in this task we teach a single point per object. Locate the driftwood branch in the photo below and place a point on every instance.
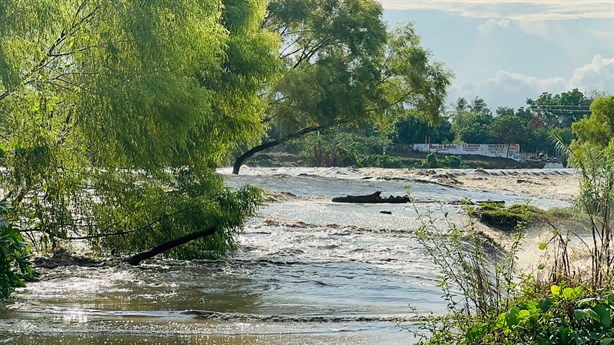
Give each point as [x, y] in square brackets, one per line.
[374, 198]
[166, 246]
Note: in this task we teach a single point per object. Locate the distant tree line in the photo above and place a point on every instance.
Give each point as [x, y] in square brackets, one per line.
[532, 126]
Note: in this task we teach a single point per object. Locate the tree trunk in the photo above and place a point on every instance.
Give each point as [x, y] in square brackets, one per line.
[136, 259]
[303, 131]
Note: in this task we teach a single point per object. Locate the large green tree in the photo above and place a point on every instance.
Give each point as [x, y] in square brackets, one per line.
[114, 115]
[416, 130]
[598, 129]
[472, 127]
[342, 67]
[560, 110]
[509, 129]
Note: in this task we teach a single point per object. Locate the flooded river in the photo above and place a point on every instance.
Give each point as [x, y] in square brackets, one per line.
[309, 272]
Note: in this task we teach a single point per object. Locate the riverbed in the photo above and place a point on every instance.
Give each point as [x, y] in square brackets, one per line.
[309, 271]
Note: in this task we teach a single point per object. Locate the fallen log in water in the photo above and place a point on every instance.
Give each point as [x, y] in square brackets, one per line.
[374, 198]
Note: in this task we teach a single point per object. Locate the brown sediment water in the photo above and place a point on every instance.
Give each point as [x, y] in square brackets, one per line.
[309, 272]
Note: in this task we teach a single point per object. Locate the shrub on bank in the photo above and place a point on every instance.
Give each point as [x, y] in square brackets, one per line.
[562, 316]
[432, 161]
[14, 257]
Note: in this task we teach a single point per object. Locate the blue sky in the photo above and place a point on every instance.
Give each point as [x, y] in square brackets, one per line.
[509, 50]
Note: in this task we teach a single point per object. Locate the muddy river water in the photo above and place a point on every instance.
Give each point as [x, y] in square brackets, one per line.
[309, 272]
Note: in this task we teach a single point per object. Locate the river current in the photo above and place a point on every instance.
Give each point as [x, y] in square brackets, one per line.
[309, 271]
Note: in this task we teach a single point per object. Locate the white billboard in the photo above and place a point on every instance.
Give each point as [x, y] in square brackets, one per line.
[490, 150]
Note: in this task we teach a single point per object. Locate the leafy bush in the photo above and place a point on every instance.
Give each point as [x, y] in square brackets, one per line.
[565, 316]
[573, 306]
[432, 161]
[14, 257]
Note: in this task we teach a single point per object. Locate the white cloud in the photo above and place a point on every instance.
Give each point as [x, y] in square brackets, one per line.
[599, 75]
[495, 23]
[512, 9]
[512, 89]
[515, 82]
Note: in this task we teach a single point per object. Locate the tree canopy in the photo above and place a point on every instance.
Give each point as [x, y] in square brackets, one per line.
[560, 110]
[114, 116]
[472, 127]
[342, 67]
[598, 129]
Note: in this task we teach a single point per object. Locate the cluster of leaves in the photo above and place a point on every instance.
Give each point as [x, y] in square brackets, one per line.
[416, 129]
[15, 267]
[593, 154]
[432, 161]
[566, 316]
[476, 278]
[165, 211]
[488, 304]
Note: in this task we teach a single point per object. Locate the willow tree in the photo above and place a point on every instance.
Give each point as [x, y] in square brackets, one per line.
[343, 67]
[114, 115]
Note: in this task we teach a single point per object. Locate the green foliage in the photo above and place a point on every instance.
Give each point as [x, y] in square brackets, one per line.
[566, 316]
[342, 67]
[415, 130]
[106, 102]
[489, 304]
[432, 161]
[167, 211]
[342, 148]
[598, 129]
[594, 157]
[509, 129]
[472, 127]
[15, 267]
[531, 127]
[560, 110]
[579, 307]
[347, 147]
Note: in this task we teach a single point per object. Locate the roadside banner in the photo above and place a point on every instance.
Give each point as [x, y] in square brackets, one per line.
[489, 150]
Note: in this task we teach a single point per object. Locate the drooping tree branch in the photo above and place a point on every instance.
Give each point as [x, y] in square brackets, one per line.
[301, 132]
[166, 246]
